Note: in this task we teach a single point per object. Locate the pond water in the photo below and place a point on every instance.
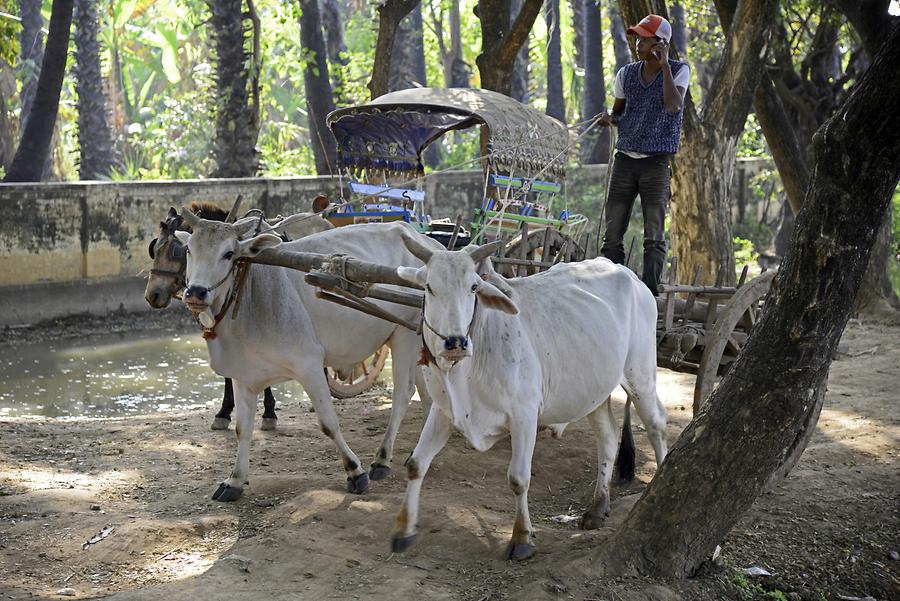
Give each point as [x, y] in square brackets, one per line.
[111, 375]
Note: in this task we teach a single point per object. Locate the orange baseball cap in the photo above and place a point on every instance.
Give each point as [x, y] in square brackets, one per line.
[652, 26]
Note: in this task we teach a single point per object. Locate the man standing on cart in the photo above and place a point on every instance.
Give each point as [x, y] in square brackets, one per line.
[648, 108]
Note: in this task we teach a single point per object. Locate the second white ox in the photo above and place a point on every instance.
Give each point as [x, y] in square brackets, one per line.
[278, 330]
[508, 356]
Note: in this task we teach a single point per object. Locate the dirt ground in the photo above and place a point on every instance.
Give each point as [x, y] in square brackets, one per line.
[121, 508]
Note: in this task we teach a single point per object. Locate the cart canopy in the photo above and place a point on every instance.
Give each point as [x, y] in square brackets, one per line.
[392, 131]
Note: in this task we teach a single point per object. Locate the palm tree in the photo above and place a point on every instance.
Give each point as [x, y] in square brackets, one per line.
[94, 140]
[237, 99]
[34, 147]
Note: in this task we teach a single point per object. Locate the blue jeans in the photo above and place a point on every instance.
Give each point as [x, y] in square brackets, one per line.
[648, 177]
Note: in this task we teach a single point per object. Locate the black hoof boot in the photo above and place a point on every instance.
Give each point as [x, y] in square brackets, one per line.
[519, 552]
[591, 521]
[379, 472]
[358, 484]
[226, 493]
[399, 544]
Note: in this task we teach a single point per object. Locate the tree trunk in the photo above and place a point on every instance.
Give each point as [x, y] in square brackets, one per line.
[337, 50]
[621, 48]
[94, 139]
[460, 71]
[7, 127]
[31, 46]
[34, 147]
[408, 55]
[594, 146]
[679, 37]
[237, 122]
[501, 42]
[319, 99]
[390, 13]
[767, 402]
[556, 103]
[520, 88]
[702, 170]
[577, 8]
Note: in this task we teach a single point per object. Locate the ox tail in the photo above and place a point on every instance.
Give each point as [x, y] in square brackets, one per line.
[625, 459]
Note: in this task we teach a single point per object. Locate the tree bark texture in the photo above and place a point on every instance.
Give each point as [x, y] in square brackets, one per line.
[408, 55]
[679, 36]
[337, 50]
[751, 424]
[8, 134]
[501, 42]
[34, 146]
[703, 169]
[31, 47]
[94, 138]
[577, 8]
[390, 13]
[621, 47]
[520, 88]
[556, 102]
[319, 98]
[594, 146]
[237, 124]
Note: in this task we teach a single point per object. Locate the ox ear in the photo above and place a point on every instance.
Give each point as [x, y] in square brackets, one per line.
[257, 244]
[492, 298]
[172, 213]
[416, 275]
[183, 237]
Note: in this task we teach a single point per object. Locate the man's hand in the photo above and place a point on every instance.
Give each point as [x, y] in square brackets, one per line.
[660, 53]
[605, 120]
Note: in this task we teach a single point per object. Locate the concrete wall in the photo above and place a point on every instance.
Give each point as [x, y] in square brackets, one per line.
[81, 247]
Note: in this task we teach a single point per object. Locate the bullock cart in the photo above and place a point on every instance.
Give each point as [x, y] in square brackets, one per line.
[381, 149]
[700, 329]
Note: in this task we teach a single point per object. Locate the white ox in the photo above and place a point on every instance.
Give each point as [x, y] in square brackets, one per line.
[278, 330]
[508, 356]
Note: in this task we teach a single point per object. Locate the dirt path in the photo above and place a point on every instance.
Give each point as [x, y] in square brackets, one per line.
[140, 488]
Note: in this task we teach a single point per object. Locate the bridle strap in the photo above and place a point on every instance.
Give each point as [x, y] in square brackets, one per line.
[241, 268]
[438, 334]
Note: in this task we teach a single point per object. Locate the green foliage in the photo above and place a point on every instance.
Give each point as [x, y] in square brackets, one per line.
[744, 254]
[9, 31]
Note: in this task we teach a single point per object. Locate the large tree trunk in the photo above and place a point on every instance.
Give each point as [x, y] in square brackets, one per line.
[501, 42]
[337, 50]
[408, 55]
[753, 421]
[390, 13]
[702, 170]
[621, 48]
[31, 47]
[34, 147]
[7, 127]
[556, 103]
[595, 146]
[94, 139]
[679, 35]
[237, 119]
[521, 80]
[319, 99]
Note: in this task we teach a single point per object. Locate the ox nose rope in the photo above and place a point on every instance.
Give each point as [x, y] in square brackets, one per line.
[441, 336]
[240, 269]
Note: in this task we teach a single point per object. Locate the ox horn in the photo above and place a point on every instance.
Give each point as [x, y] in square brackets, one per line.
[188, 216]
[417, 248]
[486, 250]
[232, 214]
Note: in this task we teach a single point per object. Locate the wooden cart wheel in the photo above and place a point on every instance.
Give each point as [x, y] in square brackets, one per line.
[540, 245]
[358, 379]
[722, 347]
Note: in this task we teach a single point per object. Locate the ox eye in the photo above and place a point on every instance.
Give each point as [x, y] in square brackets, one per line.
[227, 256]
[474, 287]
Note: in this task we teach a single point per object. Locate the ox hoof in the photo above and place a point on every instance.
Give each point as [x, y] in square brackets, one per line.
[268, 423]
[358, 484]
[226, 493]
[591, 521]
[519, 552]
[399, 544]
[379, 472]
[220, 423]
